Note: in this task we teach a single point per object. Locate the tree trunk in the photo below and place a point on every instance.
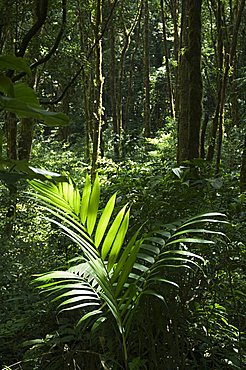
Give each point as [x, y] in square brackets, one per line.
[99, 91]
[166, 54]
[87, 77]
[25, 139]
[11, 130]
[113, 97]
[243, 169]
[195, 79]
[129, 101]
[183, 83]
[147, 129]
[175, 5]
[226, 59]
[203, 135]
[190, 82]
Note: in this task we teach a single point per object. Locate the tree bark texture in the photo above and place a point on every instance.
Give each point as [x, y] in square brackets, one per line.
[195, 78]
[183, 83]
[99, 91]
[113, 93]
[226, 52]
[190, 82]
[11, 130]
[147, 129]
[166, 53]
[25, 139]
[243, 169]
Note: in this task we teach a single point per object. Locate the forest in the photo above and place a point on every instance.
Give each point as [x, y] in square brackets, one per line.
[122, 184]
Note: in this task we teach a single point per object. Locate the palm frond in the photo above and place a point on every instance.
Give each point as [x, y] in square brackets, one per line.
[110, 277]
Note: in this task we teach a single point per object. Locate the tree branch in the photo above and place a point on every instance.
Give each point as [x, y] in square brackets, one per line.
[71, 82]
[54, 47]
[41, 13]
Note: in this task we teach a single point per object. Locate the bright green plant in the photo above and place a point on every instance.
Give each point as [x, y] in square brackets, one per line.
[111, 275]
[19, 98]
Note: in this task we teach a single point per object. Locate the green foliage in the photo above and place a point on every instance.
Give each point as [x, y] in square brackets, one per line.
[20, 98]
[13, 170]
[112, 277]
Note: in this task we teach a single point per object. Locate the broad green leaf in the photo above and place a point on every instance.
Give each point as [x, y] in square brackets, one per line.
[93, 206]
[88, 315]
[104, 220]
[151, 248]
[111, 235]
[82, 305]
[127, 265]
[22, 109]
[14, 63]
[154, 294]
[81, 240]
[77, 201]
[162, 280]
[87, 294]
[85, 200]
[183, 253]
[127, 254]
[57, 275]
[26, 94]
[155, 240]
[98, 322]
[48, 174]
[62, 285]
[203, 220]
[209, 214]
[140, 267]
[190, 240]
[79, 299]
[146, 258]
[6, 85]
[201, 231]
[119, 240]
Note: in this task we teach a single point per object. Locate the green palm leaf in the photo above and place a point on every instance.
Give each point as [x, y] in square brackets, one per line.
[104, 220]
[110, 277]
[85, 200]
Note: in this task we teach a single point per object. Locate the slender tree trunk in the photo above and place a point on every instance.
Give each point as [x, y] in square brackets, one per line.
[234, 98]
[1, 142]
[243, 169]
[203, 135]
[11, 130]
[175, 6]
[87, 76]
[183, 83]
[113, 96]
[25, 132]
[121, 103]
[129, 102]
[226, 58]
[147, 129]
[195, 78]
[190, 82]
[166, 53]
[99, 91]
[25, 139]
[64, 131]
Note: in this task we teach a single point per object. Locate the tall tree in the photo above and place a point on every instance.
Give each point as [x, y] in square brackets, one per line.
[166, 54]
[190, 82]
[226, 56]
[98, 113]
[147, 128]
